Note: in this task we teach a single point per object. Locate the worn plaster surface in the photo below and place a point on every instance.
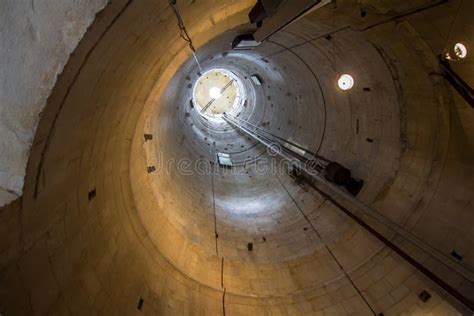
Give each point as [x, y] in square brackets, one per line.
[101, 227]
[36, 40]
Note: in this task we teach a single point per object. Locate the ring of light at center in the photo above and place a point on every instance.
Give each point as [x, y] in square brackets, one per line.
[345, 82]
[218, 91]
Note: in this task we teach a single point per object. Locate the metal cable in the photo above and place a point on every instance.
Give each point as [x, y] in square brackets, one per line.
[279, 138]
[183, 33]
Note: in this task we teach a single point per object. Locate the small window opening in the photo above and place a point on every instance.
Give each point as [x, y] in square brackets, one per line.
[140, 304]
[256, 79]
[148, 137]
[91, 194]
[224, 160]
[150, 169]
[250, 246]
[424, 296]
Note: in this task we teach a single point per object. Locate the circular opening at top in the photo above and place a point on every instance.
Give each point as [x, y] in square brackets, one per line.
[215, 93]
[218, 91]
[345, 82]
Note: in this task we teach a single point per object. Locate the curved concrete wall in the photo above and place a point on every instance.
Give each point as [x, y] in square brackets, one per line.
[95, 232]
[36, 39]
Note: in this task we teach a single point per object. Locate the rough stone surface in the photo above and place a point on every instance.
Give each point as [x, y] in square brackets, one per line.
[97, 230]
[36, 39]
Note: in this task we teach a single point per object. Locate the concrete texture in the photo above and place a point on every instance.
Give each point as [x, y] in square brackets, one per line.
[98, 230]
[36, 39]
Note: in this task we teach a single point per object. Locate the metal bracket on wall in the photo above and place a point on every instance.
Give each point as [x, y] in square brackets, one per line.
[271, 16]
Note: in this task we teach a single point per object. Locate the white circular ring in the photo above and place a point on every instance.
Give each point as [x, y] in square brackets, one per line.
[345, 82]
[460, 50]
[239, 101]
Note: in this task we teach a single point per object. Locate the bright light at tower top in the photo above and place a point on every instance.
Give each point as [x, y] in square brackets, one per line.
[215, 93]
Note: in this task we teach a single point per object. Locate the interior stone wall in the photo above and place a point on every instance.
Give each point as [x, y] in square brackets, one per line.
[64, 250]
[36, 40]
